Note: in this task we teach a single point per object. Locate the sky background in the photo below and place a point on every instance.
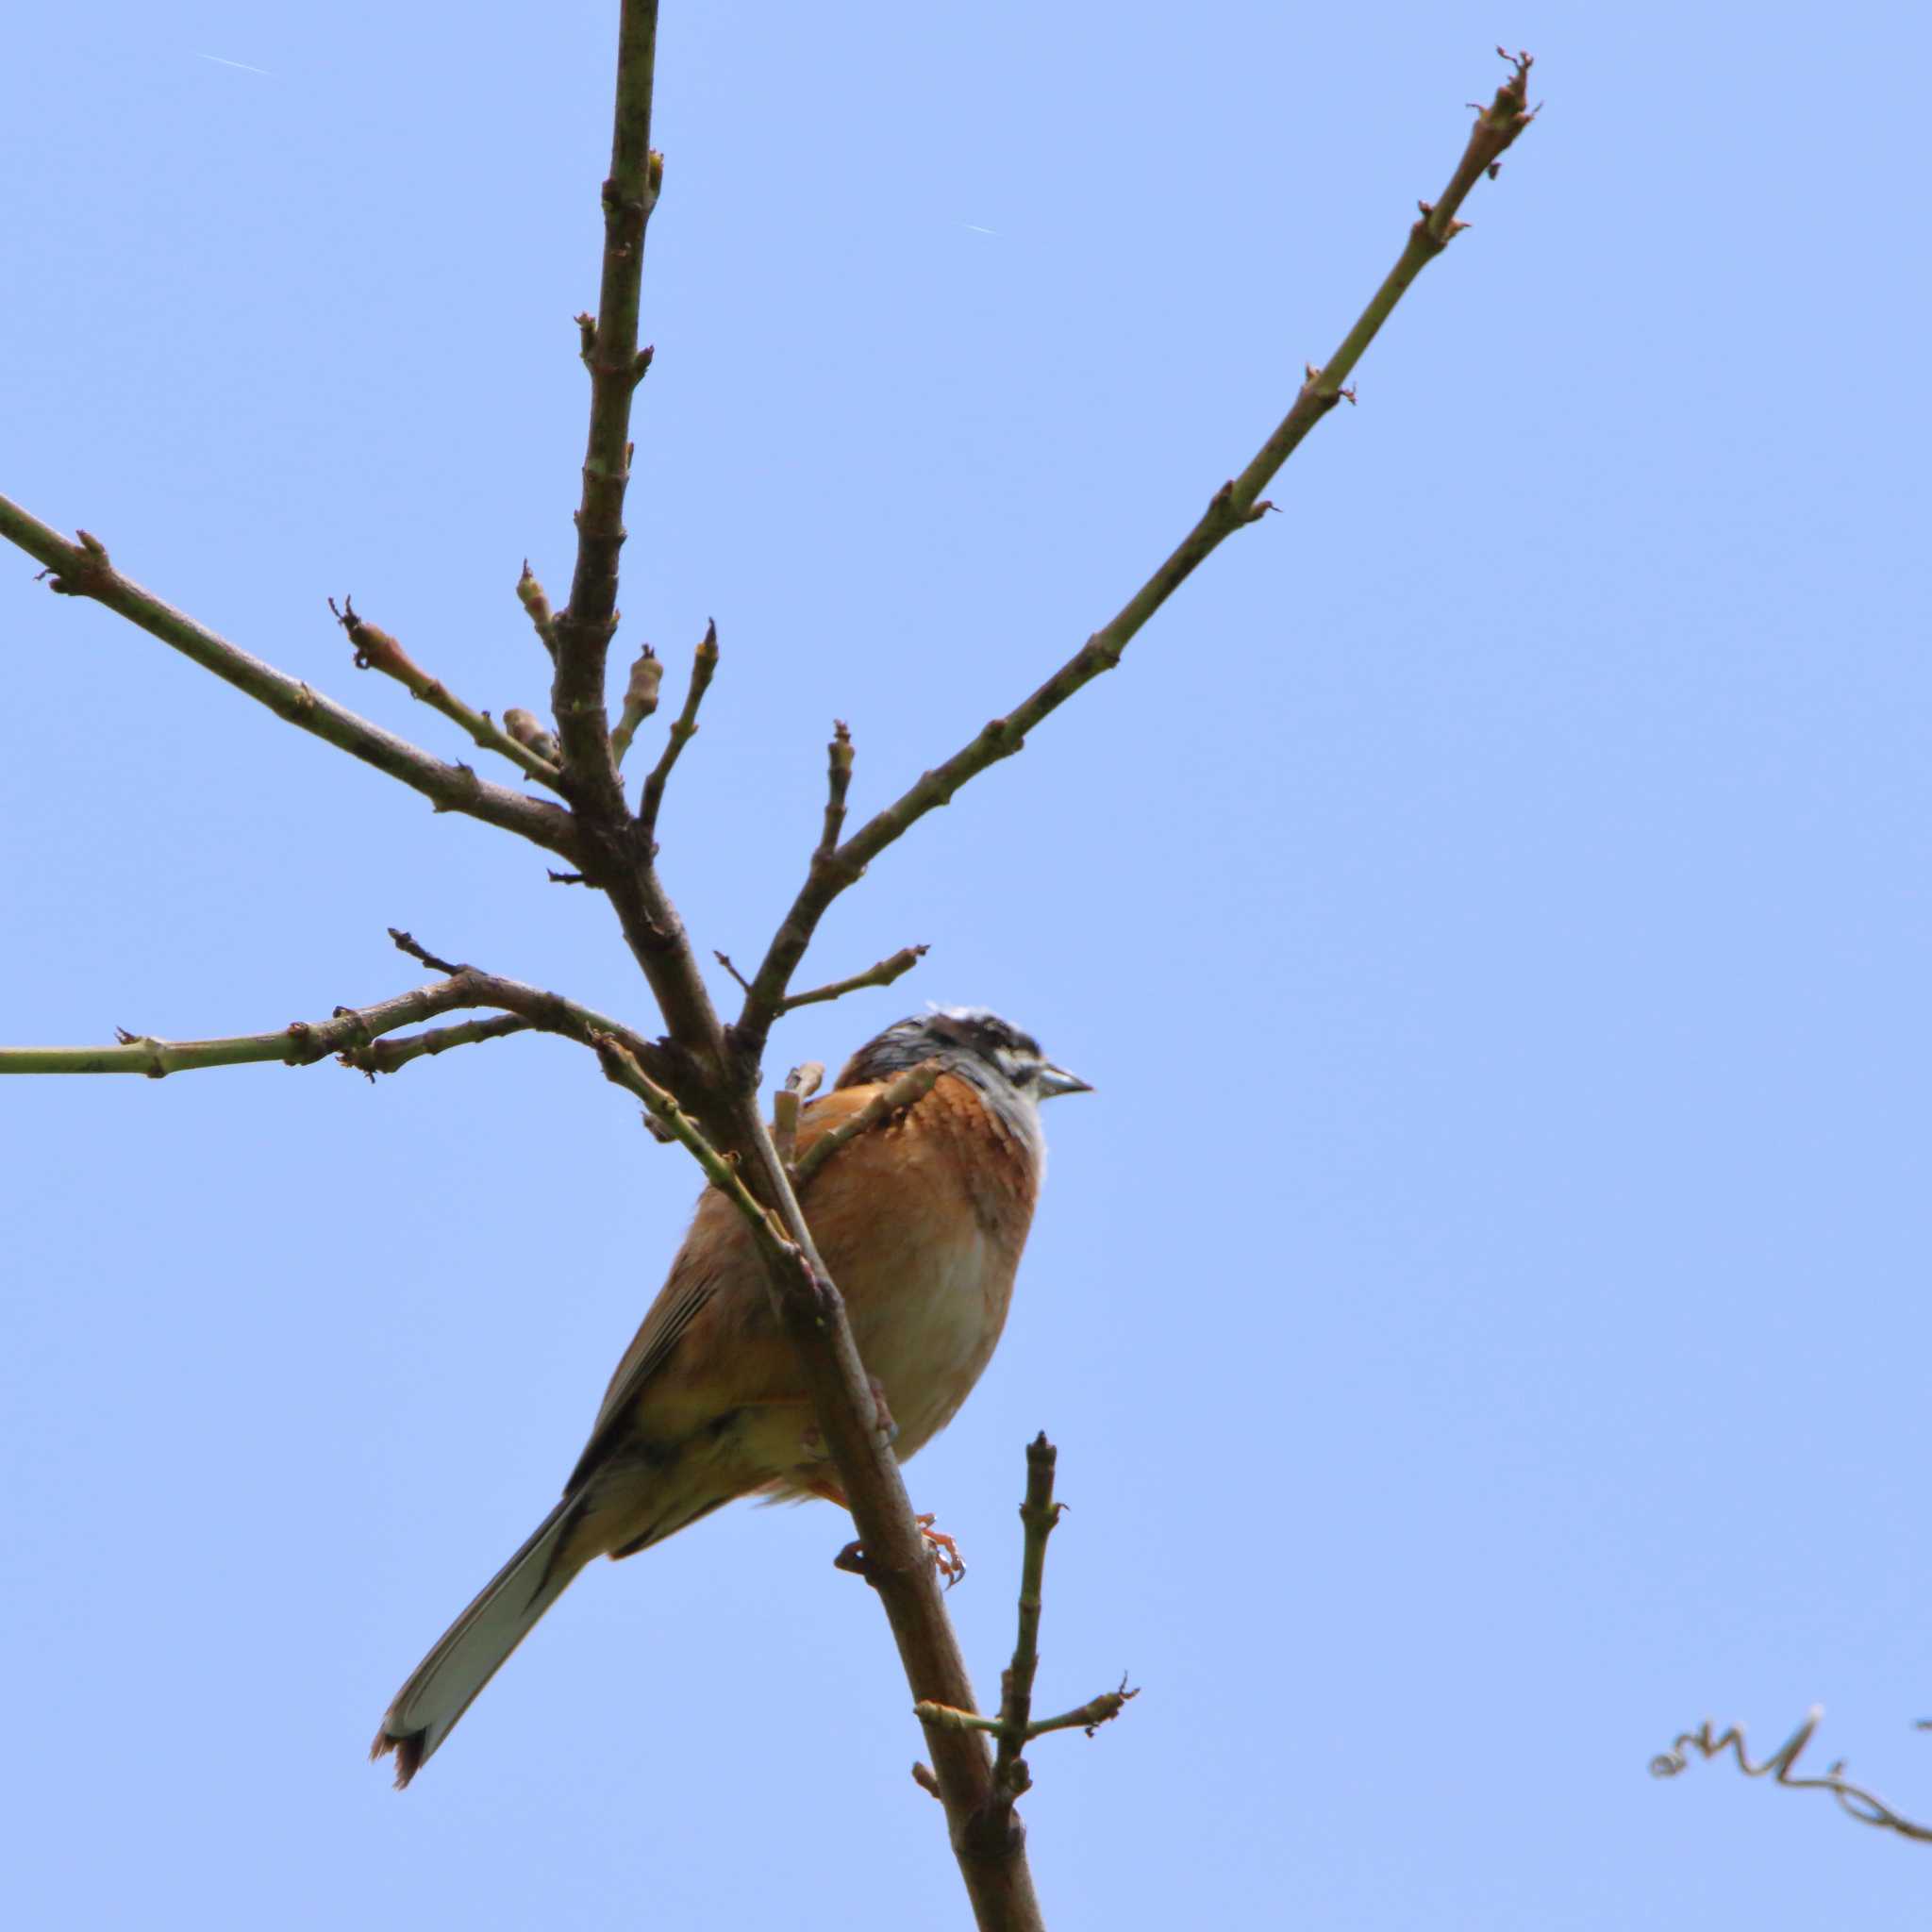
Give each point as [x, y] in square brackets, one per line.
[1483, 1308]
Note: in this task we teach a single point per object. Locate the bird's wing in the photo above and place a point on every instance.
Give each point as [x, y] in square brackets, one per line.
[717, 1252]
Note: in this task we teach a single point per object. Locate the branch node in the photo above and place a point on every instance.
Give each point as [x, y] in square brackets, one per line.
[84, 572]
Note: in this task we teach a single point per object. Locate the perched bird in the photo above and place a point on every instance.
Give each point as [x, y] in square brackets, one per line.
[920, 1221]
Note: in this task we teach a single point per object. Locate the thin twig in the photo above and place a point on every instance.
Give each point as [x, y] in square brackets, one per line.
[1087, 1717]
[1038, 1513]
[407, 942]
[684, 728]
[838, 757]
[906, 1090]
[392, 1056]
[83, 568]
[621, 1066]
[901, 963]
[1234, 506]
[376, 650]
[724, 960]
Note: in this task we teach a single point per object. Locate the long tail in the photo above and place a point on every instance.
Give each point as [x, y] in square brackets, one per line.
[476, 1646]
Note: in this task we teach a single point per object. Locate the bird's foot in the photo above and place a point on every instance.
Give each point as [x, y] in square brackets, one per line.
[944, 1551]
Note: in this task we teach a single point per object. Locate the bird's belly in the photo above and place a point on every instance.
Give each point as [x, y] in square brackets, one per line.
[928, 1336]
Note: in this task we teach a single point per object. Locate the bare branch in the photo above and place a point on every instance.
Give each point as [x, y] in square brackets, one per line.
[583, 632]
[83, 570]
[724, 960]
[907, 1090]
[684, 727]
[1233, 506]
[375, 650]
[898, 967]
[346, 1033]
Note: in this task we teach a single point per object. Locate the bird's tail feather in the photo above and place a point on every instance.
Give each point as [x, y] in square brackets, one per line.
[476, 1646]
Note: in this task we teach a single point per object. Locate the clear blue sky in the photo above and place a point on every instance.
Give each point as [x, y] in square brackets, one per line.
[1483, 1308]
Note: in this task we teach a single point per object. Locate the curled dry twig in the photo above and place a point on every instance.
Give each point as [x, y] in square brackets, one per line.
[1854, 1800]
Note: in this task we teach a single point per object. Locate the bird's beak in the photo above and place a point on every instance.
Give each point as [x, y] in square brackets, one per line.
[1054, 1080]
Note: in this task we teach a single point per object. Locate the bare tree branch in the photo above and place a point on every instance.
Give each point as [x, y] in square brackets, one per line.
[349, 1032]
[83, 570]
[898, 967]
[1234, 506]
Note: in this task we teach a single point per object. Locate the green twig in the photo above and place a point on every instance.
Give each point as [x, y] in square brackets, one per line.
[684, 727]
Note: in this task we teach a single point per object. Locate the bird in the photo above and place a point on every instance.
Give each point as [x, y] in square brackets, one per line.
[920, 1220]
